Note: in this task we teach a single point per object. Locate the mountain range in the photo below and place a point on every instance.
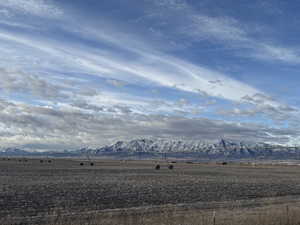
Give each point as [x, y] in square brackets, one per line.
[153, 148]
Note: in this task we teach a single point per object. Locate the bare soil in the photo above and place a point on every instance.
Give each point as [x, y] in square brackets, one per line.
[35, 189]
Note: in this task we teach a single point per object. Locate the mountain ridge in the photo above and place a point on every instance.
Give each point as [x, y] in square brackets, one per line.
[223, 148]
[173, 148]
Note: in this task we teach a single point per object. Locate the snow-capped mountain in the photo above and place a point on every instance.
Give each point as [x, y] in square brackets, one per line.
[173, 148]
[223, 148]
[16, 152]
[13, 152]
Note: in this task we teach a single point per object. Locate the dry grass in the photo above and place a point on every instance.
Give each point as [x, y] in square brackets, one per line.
[65, 193]
[269, 215]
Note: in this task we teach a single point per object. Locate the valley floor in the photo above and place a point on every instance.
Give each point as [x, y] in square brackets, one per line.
[72, 191]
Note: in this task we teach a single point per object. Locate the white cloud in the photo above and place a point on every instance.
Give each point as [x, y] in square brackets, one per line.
[67, 127]
[93, 117]
[32, 7]
[221, 29]
[35, 87]
[278, 53]
[13, 82]
[116, 83]
[153, 67]
[5, 13]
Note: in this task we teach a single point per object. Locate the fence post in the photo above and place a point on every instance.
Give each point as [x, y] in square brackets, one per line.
[214, 217]
[287, 215]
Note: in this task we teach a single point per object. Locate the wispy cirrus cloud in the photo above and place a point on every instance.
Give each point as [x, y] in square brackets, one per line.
[40, 8]
[214, 28]
[156, 68]
[123, 76]
[278, 53]
[224, 29]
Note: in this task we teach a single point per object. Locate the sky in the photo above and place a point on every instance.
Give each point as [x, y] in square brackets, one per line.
[77, 73]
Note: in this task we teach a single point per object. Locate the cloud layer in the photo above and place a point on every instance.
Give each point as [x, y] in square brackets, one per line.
[165, 68]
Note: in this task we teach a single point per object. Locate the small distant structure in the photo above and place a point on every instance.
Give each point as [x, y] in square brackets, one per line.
[157, 167]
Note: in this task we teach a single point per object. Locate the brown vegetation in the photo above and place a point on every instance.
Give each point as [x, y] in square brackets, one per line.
[111, 191]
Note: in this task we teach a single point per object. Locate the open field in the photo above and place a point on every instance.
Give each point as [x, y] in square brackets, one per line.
[31, 191]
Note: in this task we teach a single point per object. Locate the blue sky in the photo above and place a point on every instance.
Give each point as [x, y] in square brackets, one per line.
[87, 73]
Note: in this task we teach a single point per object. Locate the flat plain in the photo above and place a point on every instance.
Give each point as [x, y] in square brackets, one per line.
[31, 188]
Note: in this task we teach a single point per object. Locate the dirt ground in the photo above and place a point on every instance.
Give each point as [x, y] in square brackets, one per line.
[57, 188]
